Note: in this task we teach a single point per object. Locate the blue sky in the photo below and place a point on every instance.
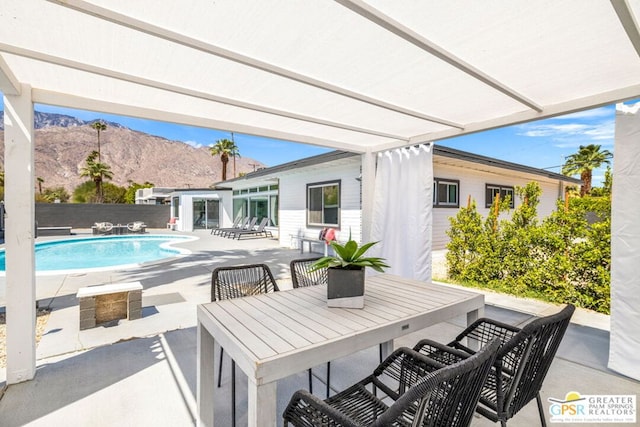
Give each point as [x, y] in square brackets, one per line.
[543, 144]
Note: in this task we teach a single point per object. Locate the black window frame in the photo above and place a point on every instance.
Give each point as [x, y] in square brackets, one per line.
[503, 189]
[323, 184]
[436, 202]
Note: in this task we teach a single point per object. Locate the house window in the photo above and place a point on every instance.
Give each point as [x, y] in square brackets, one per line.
[445, 193]
[323, 204]
[492, 189]
[175, 207]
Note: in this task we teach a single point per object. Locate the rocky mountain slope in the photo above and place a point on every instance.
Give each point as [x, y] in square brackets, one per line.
[63, 143]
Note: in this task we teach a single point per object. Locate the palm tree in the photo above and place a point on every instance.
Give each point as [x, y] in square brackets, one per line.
[225, 149]
[97, 171]
[99, 126]
[40, 181]
[583, 162]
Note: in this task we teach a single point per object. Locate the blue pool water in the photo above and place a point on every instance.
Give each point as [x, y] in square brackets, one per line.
[102, 252]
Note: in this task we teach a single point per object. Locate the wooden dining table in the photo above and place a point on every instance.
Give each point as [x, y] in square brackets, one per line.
[271, 336]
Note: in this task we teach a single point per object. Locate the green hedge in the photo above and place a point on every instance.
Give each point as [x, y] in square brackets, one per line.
[562, 259]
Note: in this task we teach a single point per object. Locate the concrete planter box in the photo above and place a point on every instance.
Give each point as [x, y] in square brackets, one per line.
[345, 288]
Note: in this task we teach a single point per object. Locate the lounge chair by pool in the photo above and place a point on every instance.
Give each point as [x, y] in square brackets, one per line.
[136, 227]
[102, 228]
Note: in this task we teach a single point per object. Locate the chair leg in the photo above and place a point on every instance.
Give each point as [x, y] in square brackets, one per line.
[310, 382]
[220, 367]
[233, 393]
[328, 378]
[543, 420]
[380, 351]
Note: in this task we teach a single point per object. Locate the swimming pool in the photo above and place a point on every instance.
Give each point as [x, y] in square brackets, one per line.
[102, 253]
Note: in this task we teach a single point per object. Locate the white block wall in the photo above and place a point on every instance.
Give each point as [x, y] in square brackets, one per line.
[185, 221]
[293, 203]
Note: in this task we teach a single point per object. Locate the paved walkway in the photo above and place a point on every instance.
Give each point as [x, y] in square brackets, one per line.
[143, 372]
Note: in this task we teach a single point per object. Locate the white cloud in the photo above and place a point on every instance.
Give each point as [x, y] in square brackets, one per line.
[572, 134]
[553, 130]
[194, 144]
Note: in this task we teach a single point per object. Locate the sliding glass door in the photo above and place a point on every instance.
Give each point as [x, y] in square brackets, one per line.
[206, 213]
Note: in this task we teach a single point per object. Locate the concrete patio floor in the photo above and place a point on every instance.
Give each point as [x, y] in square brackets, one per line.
[143, 372]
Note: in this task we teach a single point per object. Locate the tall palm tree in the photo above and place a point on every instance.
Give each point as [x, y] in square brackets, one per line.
[225, 149]
[97, 172]
[588, 158]
[40, 181]
[99, 126]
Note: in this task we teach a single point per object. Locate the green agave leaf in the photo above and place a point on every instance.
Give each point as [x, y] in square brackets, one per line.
[350, 249]
[349, 255]
[341, 251]
[323, 262]
[364, 248]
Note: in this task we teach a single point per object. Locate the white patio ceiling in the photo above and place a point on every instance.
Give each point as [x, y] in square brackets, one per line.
[343, 74]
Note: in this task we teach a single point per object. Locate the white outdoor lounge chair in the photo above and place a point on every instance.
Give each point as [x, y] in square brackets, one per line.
[136, 227]
[103, 227]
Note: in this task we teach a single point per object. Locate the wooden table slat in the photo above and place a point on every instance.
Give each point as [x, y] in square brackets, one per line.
[291, 331]
[275, 335]
[261, 327]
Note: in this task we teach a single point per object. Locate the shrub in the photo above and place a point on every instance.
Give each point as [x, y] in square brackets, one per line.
[565, 258]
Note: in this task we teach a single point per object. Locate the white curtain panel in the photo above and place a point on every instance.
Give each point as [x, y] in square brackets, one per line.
[624, 347]
[402, 210]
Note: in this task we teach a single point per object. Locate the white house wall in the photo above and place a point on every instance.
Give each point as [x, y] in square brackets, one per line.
[293, 187]
[472, 182]
[293, 201]
[185, 220]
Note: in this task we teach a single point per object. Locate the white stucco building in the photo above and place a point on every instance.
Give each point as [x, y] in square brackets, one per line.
[302, 197]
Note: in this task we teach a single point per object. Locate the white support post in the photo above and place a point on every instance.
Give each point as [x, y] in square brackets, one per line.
[205, 372]
[19, 236]
[368, 190]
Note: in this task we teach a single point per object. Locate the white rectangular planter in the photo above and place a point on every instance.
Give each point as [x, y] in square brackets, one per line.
[345, 288]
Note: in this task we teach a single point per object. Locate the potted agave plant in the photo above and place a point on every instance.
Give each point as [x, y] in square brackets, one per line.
[345, 271]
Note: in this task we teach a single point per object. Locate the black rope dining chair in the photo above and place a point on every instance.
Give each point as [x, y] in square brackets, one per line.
[416, 391]
[301, 277]
[237, 282]
[521, 365]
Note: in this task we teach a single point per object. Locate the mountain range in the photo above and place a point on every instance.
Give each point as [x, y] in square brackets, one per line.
[62, 144]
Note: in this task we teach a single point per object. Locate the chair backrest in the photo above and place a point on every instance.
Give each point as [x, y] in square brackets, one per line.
[240, 281]
[243, 223]
[262, 225]
[302, 277]
[252, 223]
[236, 222]
[526, 358]
[445, 397]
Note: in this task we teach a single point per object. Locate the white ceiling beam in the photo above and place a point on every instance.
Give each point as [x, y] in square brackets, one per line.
[628, 21]
[588, 102]
[64, 62]
[174, 37]
[9, 84]
[42, 96]
[404, 32]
